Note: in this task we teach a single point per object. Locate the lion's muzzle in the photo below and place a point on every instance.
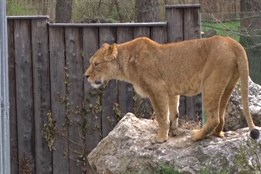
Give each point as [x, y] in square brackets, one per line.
[96, 84]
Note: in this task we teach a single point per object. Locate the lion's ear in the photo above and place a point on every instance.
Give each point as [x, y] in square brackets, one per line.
[112, 53]
[104, 45]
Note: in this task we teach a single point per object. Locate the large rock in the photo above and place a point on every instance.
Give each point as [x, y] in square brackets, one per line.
[234, 116]
[129, 149]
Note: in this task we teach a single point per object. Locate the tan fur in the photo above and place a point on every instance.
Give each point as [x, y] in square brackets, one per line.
[162, 72]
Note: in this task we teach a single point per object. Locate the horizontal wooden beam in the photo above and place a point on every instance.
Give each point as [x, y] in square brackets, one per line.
[184, 6]
[29, 17]
[147, 24]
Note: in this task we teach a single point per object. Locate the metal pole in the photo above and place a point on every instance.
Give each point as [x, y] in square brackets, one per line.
[4, 94]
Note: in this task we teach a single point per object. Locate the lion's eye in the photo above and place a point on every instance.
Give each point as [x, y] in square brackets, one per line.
[95, 64]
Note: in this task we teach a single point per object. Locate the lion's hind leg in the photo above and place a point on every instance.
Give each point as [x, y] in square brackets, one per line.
[212, 94]
[223, 104]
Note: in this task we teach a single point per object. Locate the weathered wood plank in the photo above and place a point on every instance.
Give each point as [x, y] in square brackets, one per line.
[191, 23]
[182, 106]
[112, 25]
[142, 106]
[58, 97]
[191, 31]
[68, 88]
[42, 103]
[125, 90]
[24, 95]
[174, 17]
[159, 34]
[74, 64]
[108, 35]
[183, 6]
[142, 32]
[92, 96]
[255, 63]
[175, 33]
[12, 99]
[124, 34]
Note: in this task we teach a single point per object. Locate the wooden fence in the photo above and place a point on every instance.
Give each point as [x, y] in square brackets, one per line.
[51, 102]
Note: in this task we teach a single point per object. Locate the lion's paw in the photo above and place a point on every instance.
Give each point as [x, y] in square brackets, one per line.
[196, 135]
[219, 134]
[154, 140]
[177, 132]
[159, 139]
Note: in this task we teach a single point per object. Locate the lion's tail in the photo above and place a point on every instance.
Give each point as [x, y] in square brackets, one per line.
[244, 75]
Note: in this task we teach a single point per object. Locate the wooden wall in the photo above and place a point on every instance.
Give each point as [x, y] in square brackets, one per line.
[51, 100]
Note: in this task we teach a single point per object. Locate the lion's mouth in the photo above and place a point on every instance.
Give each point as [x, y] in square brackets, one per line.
[96, 84]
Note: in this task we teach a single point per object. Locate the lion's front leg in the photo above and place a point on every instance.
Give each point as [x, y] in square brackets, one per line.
[160, 106]
[173, 114]
[174, 117]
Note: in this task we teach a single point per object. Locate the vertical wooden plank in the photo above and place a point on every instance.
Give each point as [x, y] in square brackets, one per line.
[41, 84]
[125, 34]
[92, 96]
[24, 94]
[58, 97]
[108, 35]
[191, 31]
[191, 23]
[12, 98]
[183, 24]
[125, 90]
[175, 33]
[174, 17]
[255, 62]
[141, 32]
[182, 105]
[159, 34]
[74, 63]
[142, 106]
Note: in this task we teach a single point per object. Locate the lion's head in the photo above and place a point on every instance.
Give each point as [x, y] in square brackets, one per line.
[103, 65]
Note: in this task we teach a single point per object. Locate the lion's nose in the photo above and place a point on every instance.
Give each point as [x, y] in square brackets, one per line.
[87, 76]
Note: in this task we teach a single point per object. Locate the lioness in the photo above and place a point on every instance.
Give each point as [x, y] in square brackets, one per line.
[162, 72]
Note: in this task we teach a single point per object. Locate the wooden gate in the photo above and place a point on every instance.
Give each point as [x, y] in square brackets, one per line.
[56, 117]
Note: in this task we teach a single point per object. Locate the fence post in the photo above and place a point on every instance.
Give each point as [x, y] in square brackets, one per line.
[41, 91]
[183, 24]
[4, 95]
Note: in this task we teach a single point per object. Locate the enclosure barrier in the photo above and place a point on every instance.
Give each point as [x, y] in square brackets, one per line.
[53, 104]
[4, 98]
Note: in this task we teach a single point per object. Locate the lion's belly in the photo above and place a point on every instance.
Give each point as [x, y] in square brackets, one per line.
[189, 87]
[140, 91]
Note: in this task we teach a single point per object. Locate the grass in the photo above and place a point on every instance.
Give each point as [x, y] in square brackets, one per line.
[207, 171]
[15, 9]
[231, 28]
[165, 169]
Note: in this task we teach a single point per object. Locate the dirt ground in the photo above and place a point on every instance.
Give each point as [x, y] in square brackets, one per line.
[186, 123]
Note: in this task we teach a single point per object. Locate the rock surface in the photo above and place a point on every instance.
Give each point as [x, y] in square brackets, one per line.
[234, 116]
[129, 149]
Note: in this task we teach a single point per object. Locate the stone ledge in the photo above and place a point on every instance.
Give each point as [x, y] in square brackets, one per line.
[128, 149]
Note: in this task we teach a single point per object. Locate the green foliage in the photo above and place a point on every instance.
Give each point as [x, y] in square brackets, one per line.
[166, 169]
[15, 8]
[30, 8]
[75, 118]
[50, 131]
[142, 107]
[207, 171]
[247, 151]
[230, 28]
[103, 11]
